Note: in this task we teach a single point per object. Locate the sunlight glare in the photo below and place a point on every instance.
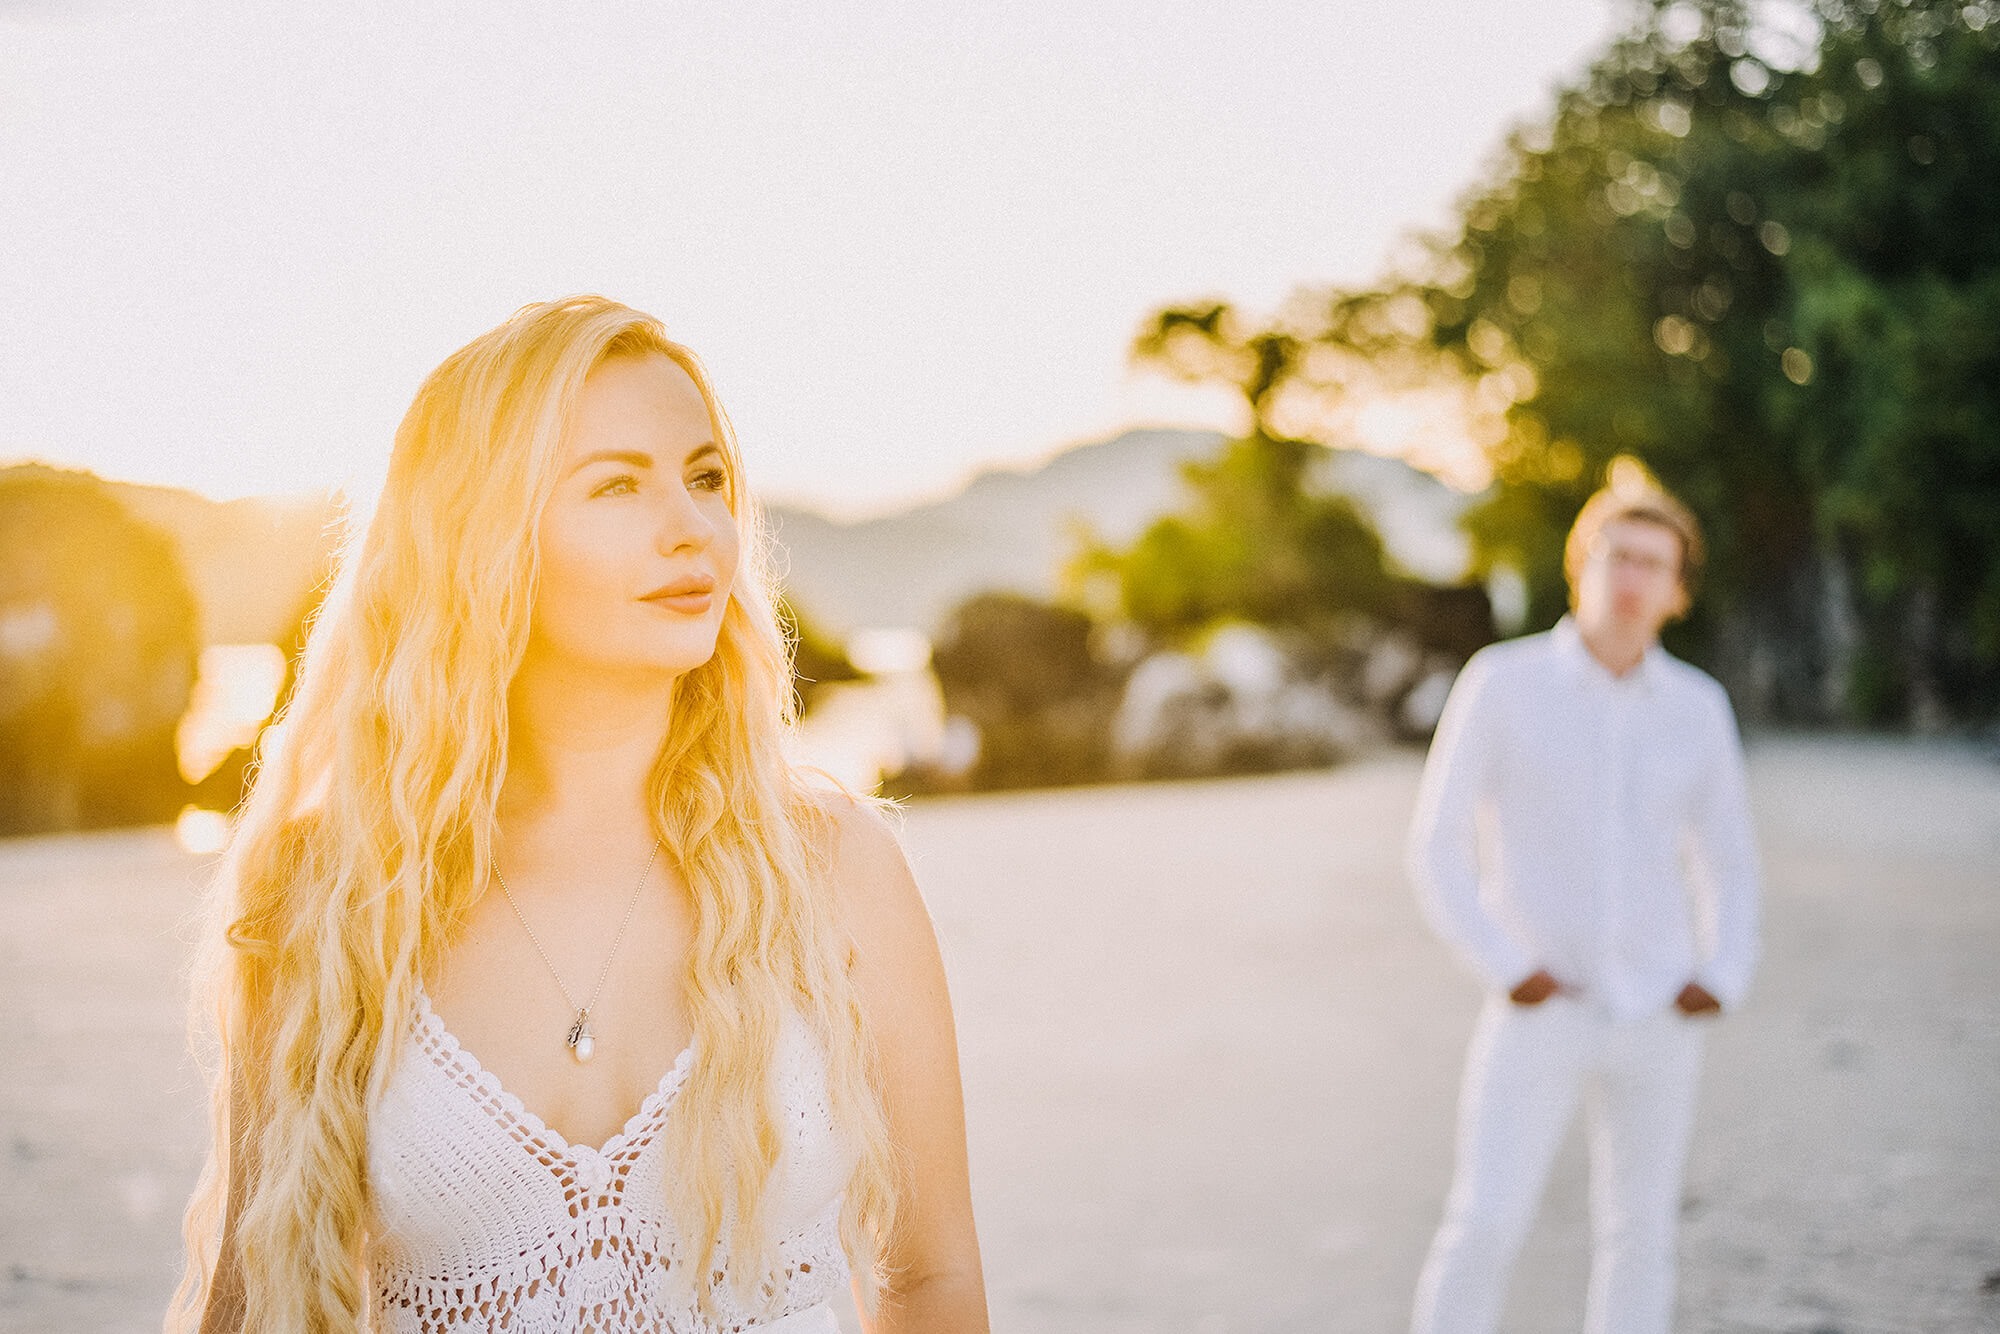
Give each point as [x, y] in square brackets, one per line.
[201, 833]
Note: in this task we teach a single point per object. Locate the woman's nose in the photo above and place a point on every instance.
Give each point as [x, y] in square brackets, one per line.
[683, 525]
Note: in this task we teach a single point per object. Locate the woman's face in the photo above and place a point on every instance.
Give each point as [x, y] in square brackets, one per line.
[638, 546]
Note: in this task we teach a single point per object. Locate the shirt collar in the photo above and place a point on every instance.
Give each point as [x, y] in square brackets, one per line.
[1583, 665]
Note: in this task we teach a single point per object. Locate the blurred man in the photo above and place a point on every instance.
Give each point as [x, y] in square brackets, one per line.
[1582, 840]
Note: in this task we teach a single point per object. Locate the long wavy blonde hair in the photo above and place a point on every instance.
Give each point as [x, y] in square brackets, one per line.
[370, 830]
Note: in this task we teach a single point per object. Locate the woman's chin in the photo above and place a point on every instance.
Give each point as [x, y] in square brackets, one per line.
[674, 664]
[663, 663]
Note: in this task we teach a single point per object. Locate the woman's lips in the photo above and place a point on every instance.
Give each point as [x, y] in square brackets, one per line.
[689, 604]
[690, 595]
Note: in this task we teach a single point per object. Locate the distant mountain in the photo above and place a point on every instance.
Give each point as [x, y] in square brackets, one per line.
[1014, 528]
[250, 563]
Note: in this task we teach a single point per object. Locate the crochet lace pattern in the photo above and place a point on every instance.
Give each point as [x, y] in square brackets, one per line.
[484, 1218]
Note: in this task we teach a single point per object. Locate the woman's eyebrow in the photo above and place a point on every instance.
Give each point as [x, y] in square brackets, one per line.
[703, 450]
[629, 457]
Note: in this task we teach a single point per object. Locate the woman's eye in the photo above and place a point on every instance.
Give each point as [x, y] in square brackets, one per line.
[709, 479]
[622, 485]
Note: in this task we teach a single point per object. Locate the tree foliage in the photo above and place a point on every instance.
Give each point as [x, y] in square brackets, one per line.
[1772, 277]
[816, 659]
[1258, 544]
[98, 646]
[1025, 673]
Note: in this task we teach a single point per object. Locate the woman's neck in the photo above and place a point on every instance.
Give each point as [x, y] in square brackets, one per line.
[580, 753]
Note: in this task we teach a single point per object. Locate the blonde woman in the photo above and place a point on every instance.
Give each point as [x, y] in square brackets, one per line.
[550, 997]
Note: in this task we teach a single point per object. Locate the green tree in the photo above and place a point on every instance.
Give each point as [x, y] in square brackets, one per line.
[816, 660]
[1893, 302]
[1258, 542]
[98, 645]
[1774, 283]
[1025, 673]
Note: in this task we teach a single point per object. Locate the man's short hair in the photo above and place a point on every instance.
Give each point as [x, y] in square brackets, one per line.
[1633, 495]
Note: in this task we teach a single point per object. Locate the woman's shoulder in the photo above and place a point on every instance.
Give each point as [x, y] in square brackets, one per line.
[840, 815]
[864, 844]
[867, 870]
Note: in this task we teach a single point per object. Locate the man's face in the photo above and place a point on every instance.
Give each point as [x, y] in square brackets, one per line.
[1631, 579]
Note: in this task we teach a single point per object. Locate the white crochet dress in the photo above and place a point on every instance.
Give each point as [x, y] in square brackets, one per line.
[483, 1218]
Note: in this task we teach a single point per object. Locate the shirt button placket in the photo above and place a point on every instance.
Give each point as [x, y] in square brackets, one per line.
[1618, 764]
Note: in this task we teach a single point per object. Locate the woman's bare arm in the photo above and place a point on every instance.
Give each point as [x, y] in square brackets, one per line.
[938, 1287]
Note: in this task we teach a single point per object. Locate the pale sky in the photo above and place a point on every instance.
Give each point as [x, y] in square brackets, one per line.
[909, 240]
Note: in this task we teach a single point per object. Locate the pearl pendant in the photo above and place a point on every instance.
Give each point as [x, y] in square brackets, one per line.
[581, 1044]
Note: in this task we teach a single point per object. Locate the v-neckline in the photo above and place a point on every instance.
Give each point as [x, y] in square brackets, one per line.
[651, 1105]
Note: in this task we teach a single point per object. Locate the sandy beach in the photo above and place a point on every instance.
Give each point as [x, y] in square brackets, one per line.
[1210, 1058]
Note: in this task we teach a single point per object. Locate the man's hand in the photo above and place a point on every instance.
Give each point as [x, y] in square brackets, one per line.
[1537, 987]
[1694, 999]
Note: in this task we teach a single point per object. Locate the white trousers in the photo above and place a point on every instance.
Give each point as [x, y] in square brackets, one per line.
[1526, 1071]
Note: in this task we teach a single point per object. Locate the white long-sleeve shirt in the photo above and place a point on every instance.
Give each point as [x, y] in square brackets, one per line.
[1590, 824]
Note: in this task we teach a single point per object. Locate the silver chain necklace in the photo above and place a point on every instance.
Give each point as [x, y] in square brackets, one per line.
[580, 1041]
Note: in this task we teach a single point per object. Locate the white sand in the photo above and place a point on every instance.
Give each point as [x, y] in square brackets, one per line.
[1210, 1056]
